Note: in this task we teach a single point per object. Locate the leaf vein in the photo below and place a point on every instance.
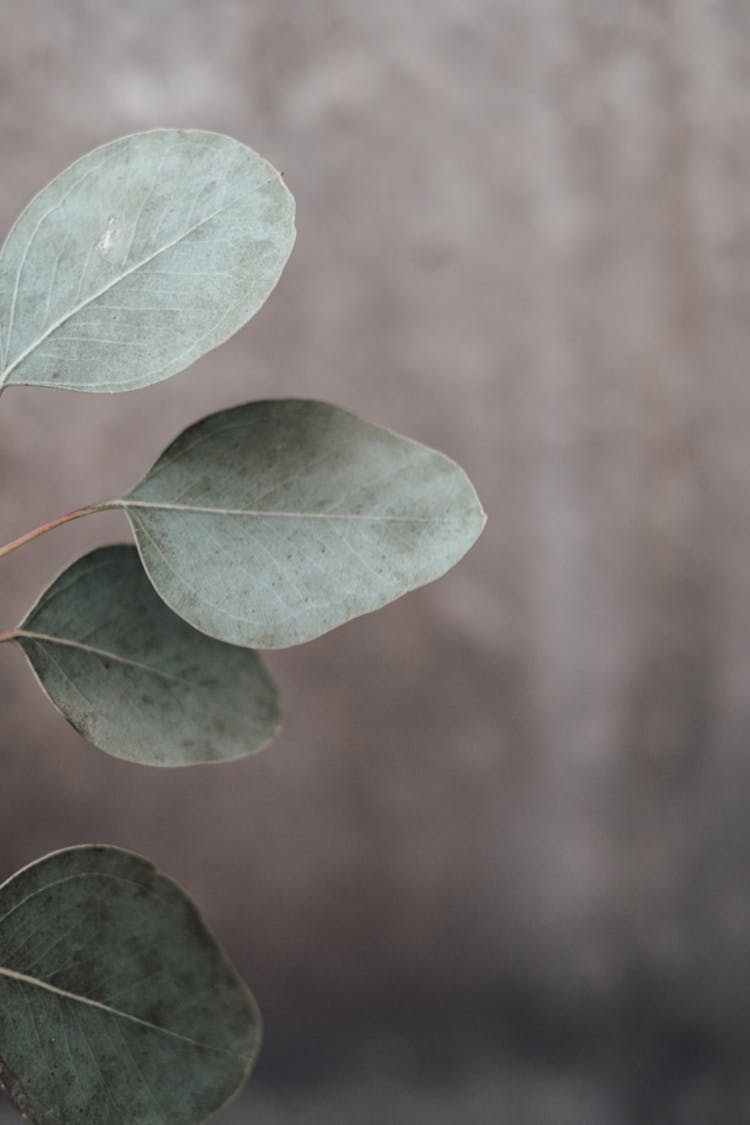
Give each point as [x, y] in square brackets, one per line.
[105, 289]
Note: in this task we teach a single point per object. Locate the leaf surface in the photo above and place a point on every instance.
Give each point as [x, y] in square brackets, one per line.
[117, 1006]
[139, 258]
[134, 678]
[271, 523]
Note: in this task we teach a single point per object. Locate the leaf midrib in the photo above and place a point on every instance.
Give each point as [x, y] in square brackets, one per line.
[23, 978]
[105, 289]
[206, 509]
[104, 654]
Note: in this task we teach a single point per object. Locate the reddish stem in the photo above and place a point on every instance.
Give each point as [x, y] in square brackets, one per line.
[50, 526]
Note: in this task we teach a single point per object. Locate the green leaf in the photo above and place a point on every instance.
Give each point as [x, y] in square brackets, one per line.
[268, 524]
[117, 1006]
[138, 259]
[134, 678]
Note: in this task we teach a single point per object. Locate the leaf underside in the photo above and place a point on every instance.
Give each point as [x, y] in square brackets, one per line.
[270, 523]
[139, 258]
[117, 1006]
[134, 678]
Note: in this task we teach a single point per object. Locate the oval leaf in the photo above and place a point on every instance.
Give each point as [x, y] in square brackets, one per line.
[134, 678]
[271, 523]
[138, 259]
[117, 1006]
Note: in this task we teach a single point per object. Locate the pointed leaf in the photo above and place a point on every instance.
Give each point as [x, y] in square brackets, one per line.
[134, 678]
[139, 258]
[270, 523]
[117, 1006]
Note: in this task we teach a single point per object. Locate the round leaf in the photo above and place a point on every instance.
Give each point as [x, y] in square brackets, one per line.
[139, 258]
[134, 678]
[117, 1006]
[271, 523]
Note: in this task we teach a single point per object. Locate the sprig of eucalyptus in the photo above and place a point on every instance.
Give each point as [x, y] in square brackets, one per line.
[261, 526]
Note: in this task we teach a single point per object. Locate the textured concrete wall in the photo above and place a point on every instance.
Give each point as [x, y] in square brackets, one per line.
[524, 238]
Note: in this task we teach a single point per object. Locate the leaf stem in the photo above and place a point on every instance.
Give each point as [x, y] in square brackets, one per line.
[77, 514]
[8, 635]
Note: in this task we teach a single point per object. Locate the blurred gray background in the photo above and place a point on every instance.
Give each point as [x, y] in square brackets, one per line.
[496, 870]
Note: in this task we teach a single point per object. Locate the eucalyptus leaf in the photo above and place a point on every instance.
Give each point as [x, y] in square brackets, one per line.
[117, 1006]
[271, 523]
[139, 258]
[134, 678]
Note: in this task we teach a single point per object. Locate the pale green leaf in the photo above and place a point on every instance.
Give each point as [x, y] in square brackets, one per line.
[268, 524]
[117, 1007]
[139, 258]
[134, 678]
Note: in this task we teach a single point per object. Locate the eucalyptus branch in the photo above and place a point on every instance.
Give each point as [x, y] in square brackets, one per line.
[260, 526]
